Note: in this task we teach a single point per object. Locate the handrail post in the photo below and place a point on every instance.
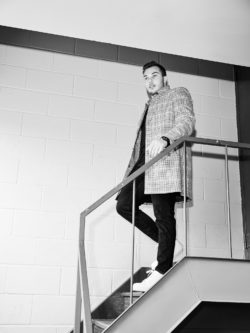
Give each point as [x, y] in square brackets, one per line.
[78, 304]
[133, 243]
[228, 203]
[87, 321]
[185, 199]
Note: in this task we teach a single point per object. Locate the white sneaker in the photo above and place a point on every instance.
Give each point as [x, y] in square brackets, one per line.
[148, 282]
[154, 265]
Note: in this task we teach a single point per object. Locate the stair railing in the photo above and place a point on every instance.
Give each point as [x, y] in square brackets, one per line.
[82, 288]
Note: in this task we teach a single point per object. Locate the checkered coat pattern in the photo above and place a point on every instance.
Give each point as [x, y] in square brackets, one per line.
[170, 114]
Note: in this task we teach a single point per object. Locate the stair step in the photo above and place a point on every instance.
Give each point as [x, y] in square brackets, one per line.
[126, 297]
[136, 294]
[101, 324]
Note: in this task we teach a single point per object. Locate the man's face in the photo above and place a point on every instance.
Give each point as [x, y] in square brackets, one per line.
[154, 80]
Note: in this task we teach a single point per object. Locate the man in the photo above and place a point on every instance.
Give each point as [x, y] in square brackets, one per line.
[168, 116]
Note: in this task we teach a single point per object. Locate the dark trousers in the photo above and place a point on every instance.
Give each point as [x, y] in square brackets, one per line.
[163, 230]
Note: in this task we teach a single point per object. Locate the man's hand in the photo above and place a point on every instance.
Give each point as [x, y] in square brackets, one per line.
[156, 146]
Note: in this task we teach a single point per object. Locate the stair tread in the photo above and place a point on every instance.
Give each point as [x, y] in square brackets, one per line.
[135, 293]
[103, 323]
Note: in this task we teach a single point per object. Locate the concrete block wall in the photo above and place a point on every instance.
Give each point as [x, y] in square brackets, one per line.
[67, 126]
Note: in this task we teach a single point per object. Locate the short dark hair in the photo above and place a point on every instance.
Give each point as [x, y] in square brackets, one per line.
[154, 63]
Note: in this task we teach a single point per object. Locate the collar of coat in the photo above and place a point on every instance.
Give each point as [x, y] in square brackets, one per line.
[160, 92]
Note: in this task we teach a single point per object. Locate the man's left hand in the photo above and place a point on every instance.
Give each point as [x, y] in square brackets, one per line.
[156, 146]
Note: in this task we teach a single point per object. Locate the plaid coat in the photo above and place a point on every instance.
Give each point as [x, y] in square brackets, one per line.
[170, 114]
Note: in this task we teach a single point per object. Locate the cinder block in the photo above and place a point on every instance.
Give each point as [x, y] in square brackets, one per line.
[3, 271]
[28, 58]
[70, 153]
[75, 65]
[116, 113]
[42, 173]
[27, 197]
[93, 132]
[197, 85]
[207, 167]
[218, 107]
[126, 136]
[91, 177]
[94, 88]
[123, 230]
[147, 254]
[73, 199]
[13, 146]
[227, 89]
[132, 94]
[45, 126]
[198, 189]
[208, 252]
[239, 254]
[120, 172]
[33, 280]
[237, 237]
[16, 196]
[100, 225]
[71, 107]
[235, 192]
[111, 155]
[197, 103]
[100, 281]
[54, 174]
[53, 310]
[215, 190]
[208, 127]
[36, 224]
[119, 277]
[15, 309]
[9, 169]
[29, 329]
[197, 235]
[216, 235]
[200, 85]
[10, 122]
[229, 129]
[12, 76]
[30, 173]
[105, 255]
[233, 170]
[23, 100]
[215, 151]
[207, 212]
[68, 281]
[50, 82]
[120, 72]
[17, 251]
[72, 226]
[236, 214]
[55, 252]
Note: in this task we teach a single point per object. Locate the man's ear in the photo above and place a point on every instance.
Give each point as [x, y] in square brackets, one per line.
[165, 80]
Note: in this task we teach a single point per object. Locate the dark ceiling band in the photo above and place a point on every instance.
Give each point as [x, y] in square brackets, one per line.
[111, 52]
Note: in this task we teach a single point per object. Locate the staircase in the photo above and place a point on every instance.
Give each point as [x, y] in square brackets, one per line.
[122, 305]
[175, 302]
[197, 295]
[116, 303]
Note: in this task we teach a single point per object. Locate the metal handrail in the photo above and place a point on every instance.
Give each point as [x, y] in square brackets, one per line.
[82, 290]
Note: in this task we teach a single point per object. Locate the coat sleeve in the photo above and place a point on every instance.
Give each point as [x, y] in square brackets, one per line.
[184, 115]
